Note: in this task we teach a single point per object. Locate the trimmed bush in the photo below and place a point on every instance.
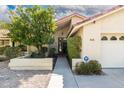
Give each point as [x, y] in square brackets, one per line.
[74, 47]
[92, 67]
[12, 52]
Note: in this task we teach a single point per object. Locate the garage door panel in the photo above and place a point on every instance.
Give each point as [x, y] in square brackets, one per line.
[112, 54]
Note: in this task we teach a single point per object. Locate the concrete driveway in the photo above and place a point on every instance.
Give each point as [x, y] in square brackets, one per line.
[63, 77]
[113, 78]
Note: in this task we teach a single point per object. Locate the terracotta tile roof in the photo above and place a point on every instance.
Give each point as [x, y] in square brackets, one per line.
[100, 14]
[71, 16]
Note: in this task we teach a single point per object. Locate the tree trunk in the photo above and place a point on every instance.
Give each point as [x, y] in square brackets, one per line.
[39, 48]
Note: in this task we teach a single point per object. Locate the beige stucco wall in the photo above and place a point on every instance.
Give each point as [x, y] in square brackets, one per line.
[91, 41]
[113, 23]
[92, 33]
[31, 64]
[60, 33]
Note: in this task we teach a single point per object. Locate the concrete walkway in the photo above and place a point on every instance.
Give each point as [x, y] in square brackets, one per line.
[62, 75]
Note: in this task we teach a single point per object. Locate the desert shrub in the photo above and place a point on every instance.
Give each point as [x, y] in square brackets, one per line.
[52, 52]
[95, 66]
[92, 67]
[83, 68]
[12, 52]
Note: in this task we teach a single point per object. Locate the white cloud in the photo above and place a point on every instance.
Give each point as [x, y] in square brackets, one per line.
[3, 9]
[4, 15]
[86, 10]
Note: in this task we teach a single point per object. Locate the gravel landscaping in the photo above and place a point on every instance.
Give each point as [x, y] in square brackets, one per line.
[22, 79]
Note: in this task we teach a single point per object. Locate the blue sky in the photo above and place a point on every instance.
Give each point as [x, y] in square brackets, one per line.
[11, 7]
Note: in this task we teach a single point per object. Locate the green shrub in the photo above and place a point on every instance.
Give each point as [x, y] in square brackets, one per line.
[23, 47]
[78, 69]
[41, 54]
[84, 68]
[2, 50]
[37, 55]
[74, 47]
[44, 49]
[52, 52]
[92, 67]
[12, 52]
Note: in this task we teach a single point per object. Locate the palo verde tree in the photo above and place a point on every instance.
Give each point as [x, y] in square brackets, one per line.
[33, 26]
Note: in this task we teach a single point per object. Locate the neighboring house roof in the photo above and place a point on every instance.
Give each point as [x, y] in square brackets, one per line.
[4, 33]
[95, 17]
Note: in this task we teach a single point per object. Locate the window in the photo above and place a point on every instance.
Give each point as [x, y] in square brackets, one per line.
[121, 38]
[104, 38]
[4, 42]
[113, 38]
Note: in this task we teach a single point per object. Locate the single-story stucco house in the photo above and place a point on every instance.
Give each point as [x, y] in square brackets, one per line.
[102, 36]
[4, 39]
